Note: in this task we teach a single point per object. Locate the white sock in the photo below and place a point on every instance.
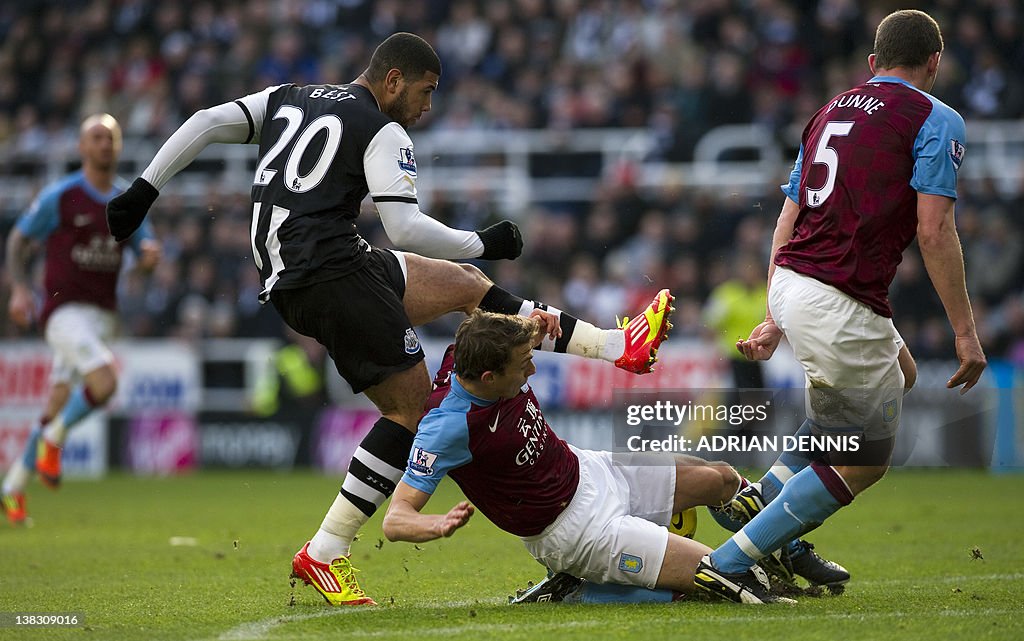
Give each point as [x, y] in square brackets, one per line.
[527, 308]
[340, 526]
[594, 342]
[17, 477]
[614, 345]
[586, 340]
[56, 432]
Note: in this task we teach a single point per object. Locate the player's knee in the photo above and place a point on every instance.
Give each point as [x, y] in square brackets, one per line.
[474, 272]
[476, 279]
[471, 285]
[875, 474]
[401, 396]
[861, 477]
[105, 394]
[728, 481]
[711, 483]
[407, 419]
[102, 385]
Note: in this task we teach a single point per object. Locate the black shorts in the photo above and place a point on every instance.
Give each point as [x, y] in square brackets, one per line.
[359, 318]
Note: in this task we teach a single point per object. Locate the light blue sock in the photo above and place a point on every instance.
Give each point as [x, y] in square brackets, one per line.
[614, 593]
[770, 488]
[771, 484]
[77, 407]
[806, 500]
[28, 457]
[788, 463]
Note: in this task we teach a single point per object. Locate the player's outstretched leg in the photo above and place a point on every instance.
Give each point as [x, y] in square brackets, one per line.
[633, 346]
[563, 587]
[687, 568]
[436, 287]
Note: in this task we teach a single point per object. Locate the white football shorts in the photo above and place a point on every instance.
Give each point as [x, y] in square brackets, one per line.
[849, 354]
[614, 528]
[78, 334]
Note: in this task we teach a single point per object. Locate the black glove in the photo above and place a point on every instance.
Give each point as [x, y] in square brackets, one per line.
[501, 240]
[126, 212]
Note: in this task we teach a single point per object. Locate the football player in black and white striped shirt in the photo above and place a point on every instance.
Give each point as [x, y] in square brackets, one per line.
[322, 150]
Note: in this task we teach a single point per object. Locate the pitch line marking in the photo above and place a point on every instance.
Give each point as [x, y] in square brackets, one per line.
[256, 630]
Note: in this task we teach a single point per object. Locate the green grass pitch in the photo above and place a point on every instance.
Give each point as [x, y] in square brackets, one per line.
[103, 549]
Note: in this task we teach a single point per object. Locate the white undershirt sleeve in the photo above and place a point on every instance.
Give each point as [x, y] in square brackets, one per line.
[390, 168]
[412, 230]
[239, 121]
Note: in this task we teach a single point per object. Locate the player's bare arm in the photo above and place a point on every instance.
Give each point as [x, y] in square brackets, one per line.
[20, 307]
[405, 522]
[944, 261]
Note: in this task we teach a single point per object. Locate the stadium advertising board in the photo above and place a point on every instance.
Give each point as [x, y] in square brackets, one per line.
[24, 388]
[158, 381]
[230, 441]
[337, 434]
[157, 376]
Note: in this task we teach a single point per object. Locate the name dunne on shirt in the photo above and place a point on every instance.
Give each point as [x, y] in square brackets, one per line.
[867, 103]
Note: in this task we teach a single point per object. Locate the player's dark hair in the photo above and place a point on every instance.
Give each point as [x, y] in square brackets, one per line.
[407, 52]
[484, 342]
[906, 39]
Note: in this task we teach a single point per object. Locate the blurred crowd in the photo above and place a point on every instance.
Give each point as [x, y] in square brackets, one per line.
[676, 68]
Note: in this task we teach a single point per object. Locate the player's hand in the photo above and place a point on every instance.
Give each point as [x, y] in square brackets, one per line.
[549, 324]
[972, 363]
[456, 518]
[21, 307]
[762, 342]
[149, 256]
[501, 240]
[126, 212]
